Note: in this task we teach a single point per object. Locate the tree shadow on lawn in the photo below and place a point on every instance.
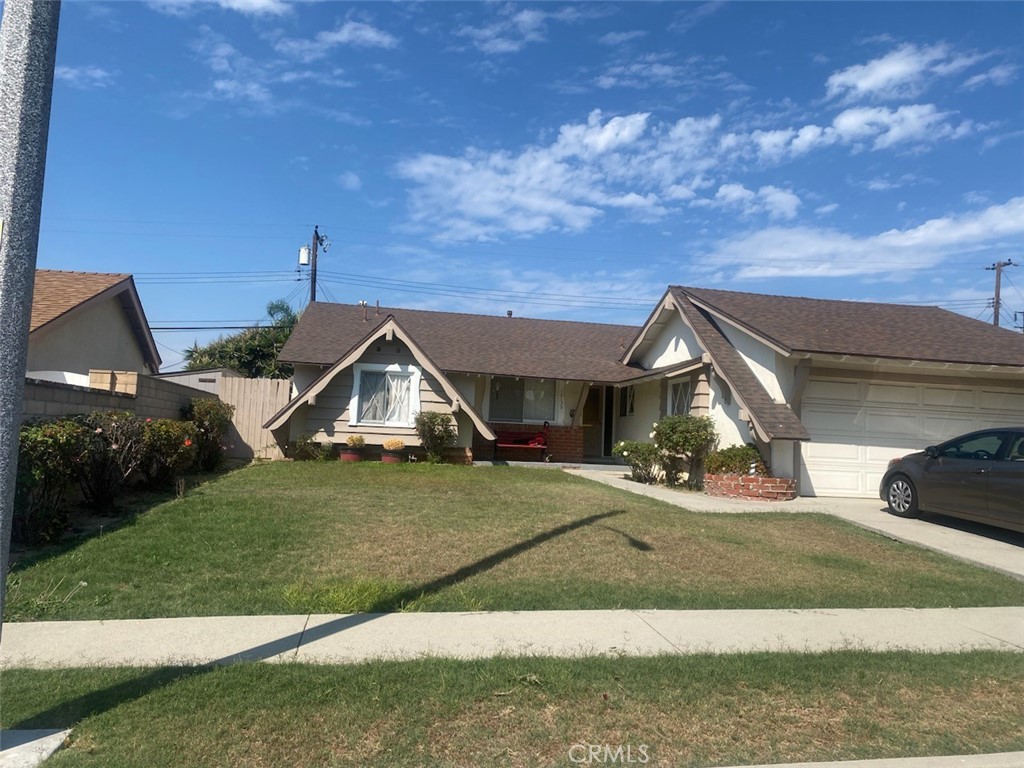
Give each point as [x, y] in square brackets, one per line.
[97, 702]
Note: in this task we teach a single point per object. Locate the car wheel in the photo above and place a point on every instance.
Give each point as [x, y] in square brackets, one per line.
[902, 497]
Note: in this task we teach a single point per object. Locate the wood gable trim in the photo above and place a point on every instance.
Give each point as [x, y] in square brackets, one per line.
[390, 329]
[666, 304]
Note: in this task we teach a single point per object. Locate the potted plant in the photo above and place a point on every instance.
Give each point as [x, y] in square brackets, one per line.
[391, 452]
[353, 448]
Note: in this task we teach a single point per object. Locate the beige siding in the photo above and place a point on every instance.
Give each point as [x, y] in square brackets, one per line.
[97, 337]
[327, 420]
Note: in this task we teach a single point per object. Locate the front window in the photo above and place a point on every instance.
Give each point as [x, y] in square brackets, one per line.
[384, 395]
[522, 400]
[626, 404]
[678, 398]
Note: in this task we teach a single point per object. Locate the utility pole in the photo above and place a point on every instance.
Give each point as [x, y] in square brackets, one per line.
[319, 241]
[999, 266]
[28, 48]
[312, 265]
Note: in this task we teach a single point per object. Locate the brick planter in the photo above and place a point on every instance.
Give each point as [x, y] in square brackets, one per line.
[750, 487]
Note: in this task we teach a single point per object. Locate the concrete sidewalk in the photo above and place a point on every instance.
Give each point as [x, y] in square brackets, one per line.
[982, 549]
[353, 638]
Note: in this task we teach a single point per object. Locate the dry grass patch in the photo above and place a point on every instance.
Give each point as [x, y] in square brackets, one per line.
[692, 711]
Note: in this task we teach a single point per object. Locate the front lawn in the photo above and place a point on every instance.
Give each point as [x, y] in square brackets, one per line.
[690, 710]
[339, 538]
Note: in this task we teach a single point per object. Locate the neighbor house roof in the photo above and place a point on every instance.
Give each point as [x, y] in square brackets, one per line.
[58, 295]
[863, 329]
[465, 343]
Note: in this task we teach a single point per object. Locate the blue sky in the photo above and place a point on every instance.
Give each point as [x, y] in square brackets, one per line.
[562, 160]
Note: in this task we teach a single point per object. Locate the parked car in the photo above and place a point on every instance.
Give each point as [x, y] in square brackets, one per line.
[978, 476]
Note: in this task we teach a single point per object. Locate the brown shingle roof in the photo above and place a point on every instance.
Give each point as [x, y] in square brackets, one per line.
[545, 349]
[57, 293]
[777, 420]
[865, 329]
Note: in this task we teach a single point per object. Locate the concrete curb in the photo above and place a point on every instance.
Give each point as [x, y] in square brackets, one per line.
[26, 749]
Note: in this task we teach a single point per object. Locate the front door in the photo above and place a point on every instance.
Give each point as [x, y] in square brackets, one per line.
[593, 432]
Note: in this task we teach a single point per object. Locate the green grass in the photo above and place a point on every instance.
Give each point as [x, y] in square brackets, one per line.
[687, 711]
[335, 537]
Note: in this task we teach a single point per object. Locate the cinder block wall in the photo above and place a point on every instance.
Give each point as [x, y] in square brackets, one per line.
[50, 399]
[145, 396]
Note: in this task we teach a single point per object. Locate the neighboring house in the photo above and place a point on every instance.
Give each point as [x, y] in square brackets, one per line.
[829, 391]
[87, 320]
[207, 379]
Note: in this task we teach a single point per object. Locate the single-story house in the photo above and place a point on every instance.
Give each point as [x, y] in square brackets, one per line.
[87, 320]
[828, 390]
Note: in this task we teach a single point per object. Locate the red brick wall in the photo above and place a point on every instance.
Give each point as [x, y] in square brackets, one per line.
[747, 487]
[564, 443]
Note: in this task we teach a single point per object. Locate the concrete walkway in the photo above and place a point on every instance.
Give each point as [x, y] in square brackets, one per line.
[1001, 551]
[26, 749]
[353, 638]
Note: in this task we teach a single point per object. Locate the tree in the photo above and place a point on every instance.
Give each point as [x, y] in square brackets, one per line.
[253, 351]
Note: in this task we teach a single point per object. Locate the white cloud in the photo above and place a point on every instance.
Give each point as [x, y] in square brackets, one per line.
[650, 70]
[1002, 74]
[84, 77]
[514, 29]
[350, 181]
[777, 203]
[879, 127]
[901, 73]
[355, 34]
[618, 38]
[824, 210]
[247, 7]
[897, 74]
[814, 252]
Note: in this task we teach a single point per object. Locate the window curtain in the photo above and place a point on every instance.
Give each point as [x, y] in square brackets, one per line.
[372, 397]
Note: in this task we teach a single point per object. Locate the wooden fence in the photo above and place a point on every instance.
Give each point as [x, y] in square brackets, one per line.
[255, 401]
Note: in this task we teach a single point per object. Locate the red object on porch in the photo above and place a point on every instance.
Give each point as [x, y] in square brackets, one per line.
[521, 440]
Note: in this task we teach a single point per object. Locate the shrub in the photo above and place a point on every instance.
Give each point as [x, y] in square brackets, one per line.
[213, 419]
[48, 456]
[170, 450]
[736, 460]
[642, 458]
[684, 440]
[393, 444]
[308, 449]
[115, 449]
[355, 441]
[436, 431]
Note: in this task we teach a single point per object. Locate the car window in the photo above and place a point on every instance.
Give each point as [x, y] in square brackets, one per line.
[980, 447]
[1015, 450]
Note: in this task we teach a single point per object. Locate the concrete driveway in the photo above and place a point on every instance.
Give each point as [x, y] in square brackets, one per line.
[983, 545]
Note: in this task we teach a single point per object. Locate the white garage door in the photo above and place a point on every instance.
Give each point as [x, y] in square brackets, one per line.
[857, 426]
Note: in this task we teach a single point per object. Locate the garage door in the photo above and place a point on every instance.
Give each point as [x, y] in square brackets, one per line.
[857, 426]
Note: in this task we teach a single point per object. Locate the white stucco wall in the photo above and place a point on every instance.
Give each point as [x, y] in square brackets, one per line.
[646, 411]
[674, 344]
[774, 371]
[97, 337]
[303, 376]
[725, 412]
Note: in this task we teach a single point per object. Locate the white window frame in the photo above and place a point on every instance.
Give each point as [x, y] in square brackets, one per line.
[670, 403]
[414, 374]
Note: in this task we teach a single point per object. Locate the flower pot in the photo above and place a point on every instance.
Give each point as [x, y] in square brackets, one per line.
[348, 453]
[392, 457]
